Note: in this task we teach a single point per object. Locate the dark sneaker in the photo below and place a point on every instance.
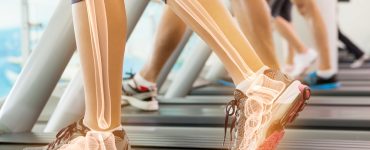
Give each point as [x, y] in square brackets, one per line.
[261, 113]
[139, 96]
[317, 83]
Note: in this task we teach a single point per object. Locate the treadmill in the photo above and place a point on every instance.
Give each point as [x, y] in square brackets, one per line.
[196, 122]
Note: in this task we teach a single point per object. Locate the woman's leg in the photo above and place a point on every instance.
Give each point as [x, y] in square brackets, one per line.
[100, 31]
[350, 46]
[140, 91]
[290, 56]
[256, 96]
[170, 31]
[303, 53]
[100, 27]
[254, 20]
[360, 56]
[286, 30]
[310, 10]
[221, 33]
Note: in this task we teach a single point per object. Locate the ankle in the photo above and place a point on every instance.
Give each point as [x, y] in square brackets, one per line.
[92, 128]
[139, 79]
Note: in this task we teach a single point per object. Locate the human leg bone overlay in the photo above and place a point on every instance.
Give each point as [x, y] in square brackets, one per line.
[134, 10]
[211, 20]
[100, 33]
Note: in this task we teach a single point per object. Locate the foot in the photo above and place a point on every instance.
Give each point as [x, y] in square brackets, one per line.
[302, 62]
[319, 83]
[71, 137]
[139, 96]
[262, 109]
[288, 68]
[359, 62]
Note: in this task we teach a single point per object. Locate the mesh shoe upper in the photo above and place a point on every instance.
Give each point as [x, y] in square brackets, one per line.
[67, 134]
[252, 109]
[76, 135]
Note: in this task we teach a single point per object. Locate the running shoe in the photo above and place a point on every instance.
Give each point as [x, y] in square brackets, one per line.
[359, 62]
[260, 114]
[139, 96]
[288, 68]
[302, 62]
[73, 135]
[318, 83]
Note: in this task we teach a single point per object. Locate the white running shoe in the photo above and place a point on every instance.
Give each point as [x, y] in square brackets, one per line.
[302, 62]
[359, 62]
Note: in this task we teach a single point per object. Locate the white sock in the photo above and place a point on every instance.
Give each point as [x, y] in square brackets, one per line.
[141, 81]
[244, 85]
[114, 129]
[326, 74]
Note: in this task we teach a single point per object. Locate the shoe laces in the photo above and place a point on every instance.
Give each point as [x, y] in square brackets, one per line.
[130, 75]
[65, 134]
[232, 110]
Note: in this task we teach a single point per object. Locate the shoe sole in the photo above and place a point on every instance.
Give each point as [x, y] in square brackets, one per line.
[147, 106]
[274, 139]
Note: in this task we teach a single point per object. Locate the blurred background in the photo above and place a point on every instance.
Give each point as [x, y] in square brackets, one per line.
[22, 23]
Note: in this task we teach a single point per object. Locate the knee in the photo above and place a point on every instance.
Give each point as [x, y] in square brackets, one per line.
[305, 7]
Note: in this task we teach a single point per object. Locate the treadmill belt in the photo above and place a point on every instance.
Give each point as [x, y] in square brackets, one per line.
[347, 66]
[211, 138]
[313, 116]
[222, 100]
[344, 90]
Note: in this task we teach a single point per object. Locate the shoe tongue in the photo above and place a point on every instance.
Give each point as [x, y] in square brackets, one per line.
[270, 73]
[265, 89]
[277, 76]
[244, 85]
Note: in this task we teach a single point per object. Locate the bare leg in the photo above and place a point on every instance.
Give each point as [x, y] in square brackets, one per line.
[286, 30]
[100, 28]
[256, 91]
[309, 9]
[290, 56]
[254, 19]
[212, 22]
[169, 34]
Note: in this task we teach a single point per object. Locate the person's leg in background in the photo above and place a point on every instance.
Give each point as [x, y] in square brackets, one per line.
[289, 60]
[259, 89]
[140, 91]
[281, 11]
[360, 56]
[254, 20]
[326, 75]
[100, 28]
